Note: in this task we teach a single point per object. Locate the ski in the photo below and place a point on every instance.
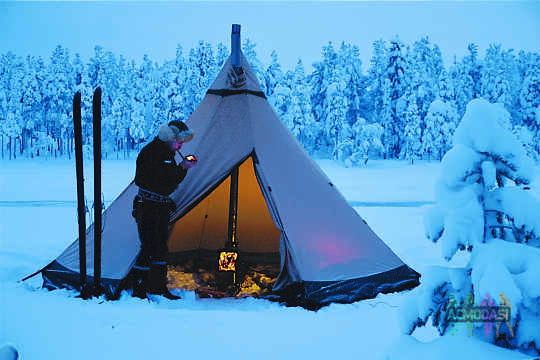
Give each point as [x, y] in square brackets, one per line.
[81, 215]
[96, 112]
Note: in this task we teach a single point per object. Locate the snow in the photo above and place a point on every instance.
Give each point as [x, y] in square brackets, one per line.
[484, 207]
[458, 165]
[8, 352]
[528, 327]
[521, 205]
[434, 223]
[55, 179]
[385, 180]
[520, 263]
[470, 169]
[57, 325]
[407, 347]
[498, 141]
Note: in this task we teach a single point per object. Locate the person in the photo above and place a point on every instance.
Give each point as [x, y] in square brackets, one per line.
[157, 175]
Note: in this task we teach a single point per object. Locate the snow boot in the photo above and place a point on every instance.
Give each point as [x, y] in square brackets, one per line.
[140, 282]
[158, 281]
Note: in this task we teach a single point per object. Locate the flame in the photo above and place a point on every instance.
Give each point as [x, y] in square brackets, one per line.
[227, 261]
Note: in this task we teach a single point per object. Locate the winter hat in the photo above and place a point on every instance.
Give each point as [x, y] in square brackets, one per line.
[176, 130]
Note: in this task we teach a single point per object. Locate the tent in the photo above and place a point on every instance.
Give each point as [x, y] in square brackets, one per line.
[287, 213]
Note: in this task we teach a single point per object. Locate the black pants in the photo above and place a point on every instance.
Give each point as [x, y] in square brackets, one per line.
[153, 225]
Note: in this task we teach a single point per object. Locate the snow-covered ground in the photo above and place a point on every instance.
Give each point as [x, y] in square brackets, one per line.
[38, 220]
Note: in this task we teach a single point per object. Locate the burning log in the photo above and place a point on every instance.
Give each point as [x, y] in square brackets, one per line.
[254, 281]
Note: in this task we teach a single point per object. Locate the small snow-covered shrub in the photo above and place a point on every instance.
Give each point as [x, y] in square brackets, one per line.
[366, 140]
[484, 206]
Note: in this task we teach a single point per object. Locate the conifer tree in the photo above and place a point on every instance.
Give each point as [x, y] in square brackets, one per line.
[396, 85]
[412, 135]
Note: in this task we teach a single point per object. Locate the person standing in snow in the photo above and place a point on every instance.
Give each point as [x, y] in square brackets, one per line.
[157, 176]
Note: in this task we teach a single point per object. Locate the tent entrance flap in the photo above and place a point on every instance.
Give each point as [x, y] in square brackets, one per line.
[196, 238]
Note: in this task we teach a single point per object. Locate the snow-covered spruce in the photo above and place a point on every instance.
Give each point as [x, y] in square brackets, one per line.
[440, 123]
[484, 206]
[365, 142]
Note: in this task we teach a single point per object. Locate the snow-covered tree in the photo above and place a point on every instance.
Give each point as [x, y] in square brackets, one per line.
[97, 68]
[222, 54]
[472, 66]
[367, 141]
[529, 100]
[160, 104]
[116, 122]
[446, 91]
[345, 145]
[440, 123]
[58, 97]
[350, 68]
[397, 84]
[176, 73]
[324, 73]
[42, 145]
[274, 74]
[303, 125]
[137, 125]
[425, 66]
[484, 207]
[377, 78]
[497, 76]
[31, 99]
[12, 71]
[527, 138]
[412, 145]
[336, 112]
[281, 102]
[200, 72]
[3, 117]
[462, 84]
[331, 89]
[143, 94]
[257, 66]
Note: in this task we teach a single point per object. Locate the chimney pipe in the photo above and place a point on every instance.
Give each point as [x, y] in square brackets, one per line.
[236, 59]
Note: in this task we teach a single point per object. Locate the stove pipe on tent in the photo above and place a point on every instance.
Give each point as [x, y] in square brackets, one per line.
[237, 78]
[236, 58]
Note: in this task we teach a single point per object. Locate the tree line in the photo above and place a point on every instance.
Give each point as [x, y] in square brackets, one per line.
[405, 104]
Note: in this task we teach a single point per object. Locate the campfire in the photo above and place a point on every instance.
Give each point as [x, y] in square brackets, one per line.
[253, 281]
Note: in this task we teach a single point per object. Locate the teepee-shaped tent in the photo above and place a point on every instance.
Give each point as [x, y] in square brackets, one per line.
[286, 210]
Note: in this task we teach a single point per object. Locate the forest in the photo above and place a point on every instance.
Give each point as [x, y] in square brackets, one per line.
[405, 104]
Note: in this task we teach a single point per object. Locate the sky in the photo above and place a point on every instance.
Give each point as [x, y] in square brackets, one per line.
[296, 30]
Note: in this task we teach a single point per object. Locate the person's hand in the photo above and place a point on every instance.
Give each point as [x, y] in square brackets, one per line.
[188, 162]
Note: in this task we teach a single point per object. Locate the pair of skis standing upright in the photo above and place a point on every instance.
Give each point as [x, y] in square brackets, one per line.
[95, 289]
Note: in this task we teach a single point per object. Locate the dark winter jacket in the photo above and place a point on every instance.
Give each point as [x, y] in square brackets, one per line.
[157, 170]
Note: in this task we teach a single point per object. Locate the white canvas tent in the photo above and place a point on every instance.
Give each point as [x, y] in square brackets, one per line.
[288, 210]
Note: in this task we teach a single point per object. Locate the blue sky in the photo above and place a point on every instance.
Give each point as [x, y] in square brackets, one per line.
[295, 30]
